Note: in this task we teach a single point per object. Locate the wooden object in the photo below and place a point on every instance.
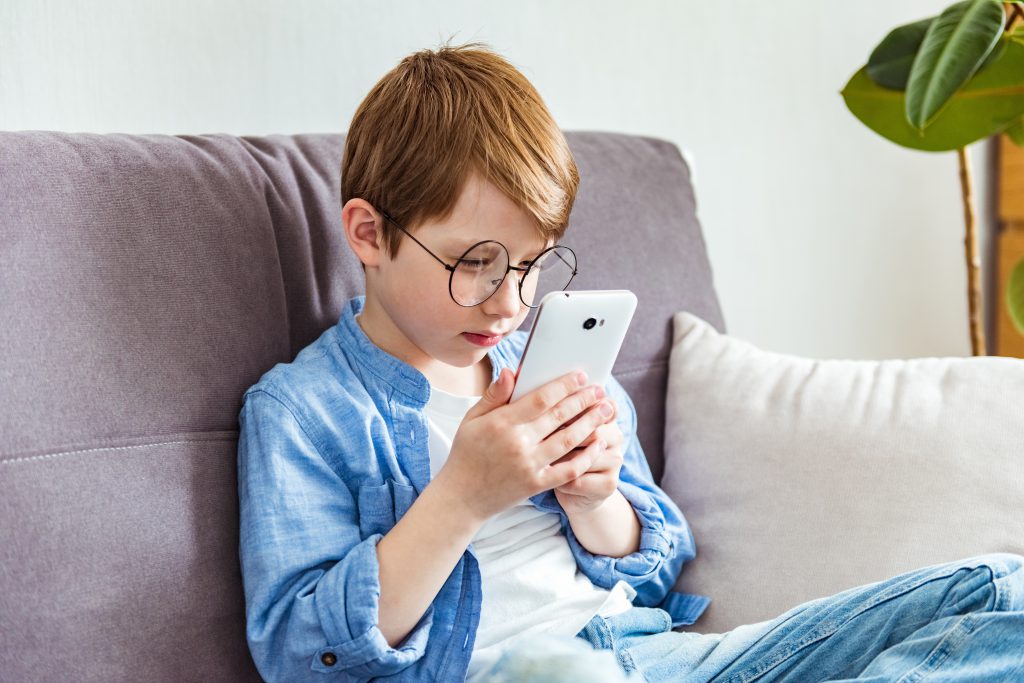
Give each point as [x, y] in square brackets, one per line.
[1009, 340]
[973, 259]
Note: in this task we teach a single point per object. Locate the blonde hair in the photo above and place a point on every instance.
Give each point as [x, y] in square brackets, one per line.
[440, 115]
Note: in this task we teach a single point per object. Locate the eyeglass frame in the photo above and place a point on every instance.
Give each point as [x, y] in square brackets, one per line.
[508, 265]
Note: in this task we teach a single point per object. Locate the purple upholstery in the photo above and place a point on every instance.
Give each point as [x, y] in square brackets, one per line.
[146, 281]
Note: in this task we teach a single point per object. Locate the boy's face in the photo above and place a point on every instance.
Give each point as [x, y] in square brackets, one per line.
[409, 312]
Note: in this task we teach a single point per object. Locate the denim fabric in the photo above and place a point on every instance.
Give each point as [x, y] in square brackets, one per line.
[332, 452]
[957, 621]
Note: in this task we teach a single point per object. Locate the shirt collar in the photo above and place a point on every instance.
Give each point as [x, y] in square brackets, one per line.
[395, 372]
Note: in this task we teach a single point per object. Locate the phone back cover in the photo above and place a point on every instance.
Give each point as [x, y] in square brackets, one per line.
[559, 343]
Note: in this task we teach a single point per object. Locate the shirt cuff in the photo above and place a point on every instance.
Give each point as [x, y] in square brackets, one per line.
[359, 647]
[637, 567]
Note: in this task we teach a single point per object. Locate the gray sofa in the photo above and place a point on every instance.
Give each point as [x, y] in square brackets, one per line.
[145, 283]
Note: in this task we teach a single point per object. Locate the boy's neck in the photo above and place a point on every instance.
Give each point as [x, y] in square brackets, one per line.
[472, 381]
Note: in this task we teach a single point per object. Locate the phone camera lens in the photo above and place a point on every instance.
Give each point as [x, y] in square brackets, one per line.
[589, 323]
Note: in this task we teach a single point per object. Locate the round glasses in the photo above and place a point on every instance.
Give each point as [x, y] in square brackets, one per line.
[482, 268]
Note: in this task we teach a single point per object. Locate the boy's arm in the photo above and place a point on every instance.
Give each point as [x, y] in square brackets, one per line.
[431, 537]
[612, 528]
[312, 585]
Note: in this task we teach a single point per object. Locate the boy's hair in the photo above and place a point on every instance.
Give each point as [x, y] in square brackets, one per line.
[439, 116]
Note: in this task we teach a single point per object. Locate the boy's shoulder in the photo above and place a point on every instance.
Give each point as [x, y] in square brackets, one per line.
[315, 376]
[514, 344]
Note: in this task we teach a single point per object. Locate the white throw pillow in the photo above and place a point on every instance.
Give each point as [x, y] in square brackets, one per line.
[801, 478]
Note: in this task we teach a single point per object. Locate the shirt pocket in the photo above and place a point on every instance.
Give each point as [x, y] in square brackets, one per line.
[382, 505]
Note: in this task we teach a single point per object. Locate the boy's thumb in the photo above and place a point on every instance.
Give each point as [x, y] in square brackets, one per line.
[497, 394]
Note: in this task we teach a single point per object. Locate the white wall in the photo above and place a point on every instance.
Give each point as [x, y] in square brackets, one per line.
[825, 240]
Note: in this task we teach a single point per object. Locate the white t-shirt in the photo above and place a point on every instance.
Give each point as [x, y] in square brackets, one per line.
[531, 583]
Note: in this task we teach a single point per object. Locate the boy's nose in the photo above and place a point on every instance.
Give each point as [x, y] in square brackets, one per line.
[505, 301]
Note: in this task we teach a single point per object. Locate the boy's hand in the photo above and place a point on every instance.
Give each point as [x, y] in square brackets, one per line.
[601, 479]
[506, 452]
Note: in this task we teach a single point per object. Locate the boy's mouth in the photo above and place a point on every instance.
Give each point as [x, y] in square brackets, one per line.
[482, 339]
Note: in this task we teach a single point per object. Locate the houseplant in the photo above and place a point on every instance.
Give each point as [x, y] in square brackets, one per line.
[940, 84]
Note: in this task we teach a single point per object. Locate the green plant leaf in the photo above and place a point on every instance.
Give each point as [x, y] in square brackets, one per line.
[989, 103]
[953, 48]
[1016, 132]
[1015, 296]
[890, 61]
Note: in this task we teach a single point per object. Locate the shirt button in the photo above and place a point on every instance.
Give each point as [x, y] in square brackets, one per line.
[329, 658]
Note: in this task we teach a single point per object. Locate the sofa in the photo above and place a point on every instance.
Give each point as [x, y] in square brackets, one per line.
[146, 281]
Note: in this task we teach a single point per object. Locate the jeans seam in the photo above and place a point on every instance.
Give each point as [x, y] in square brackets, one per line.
[940, 653]
[603, 633]
[607, 642]
[628, 665]
[1004, 595]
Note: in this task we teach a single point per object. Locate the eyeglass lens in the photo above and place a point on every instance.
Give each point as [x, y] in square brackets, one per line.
[480, 272]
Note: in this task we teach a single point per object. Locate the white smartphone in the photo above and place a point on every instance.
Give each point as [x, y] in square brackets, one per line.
[578, 330]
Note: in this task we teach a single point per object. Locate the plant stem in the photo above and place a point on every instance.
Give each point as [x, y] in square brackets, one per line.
[973, 260]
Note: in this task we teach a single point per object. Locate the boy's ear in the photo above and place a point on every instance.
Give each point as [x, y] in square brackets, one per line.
[362, 230]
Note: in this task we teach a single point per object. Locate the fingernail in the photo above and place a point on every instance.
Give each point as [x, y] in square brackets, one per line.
[581, 378]
[606, 410]
[598, 393]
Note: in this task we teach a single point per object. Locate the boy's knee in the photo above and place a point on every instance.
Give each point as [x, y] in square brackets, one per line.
[1007, 574]
[1003, 564]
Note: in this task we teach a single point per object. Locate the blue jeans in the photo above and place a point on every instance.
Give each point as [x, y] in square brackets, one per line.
[958, 621]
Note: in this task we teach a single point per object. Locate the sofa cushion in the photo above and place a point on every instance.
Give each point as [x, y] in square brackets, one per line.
[804, 477]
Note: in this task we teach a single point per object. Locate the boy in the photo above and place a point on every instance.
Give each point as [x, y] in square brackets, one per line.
[401, 519]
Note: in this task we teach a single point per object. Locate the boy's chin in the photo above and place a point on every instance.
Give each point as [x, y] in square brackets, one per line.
[466, 358]
[469, 360]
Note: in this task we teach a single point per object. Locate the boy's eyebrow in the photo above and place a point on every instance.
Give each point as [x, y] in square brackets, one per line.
[458, 247]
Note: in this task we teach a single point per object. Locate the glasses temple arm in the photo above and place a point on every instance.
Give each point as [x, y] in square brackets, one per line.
[447, 266]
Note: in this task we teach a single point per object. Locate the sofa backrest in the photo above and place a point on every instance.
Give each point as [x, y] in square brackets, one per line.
[146, 281]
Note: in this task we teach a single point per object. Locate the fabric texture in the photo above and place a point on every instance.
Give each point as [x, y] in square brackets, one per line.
[803, 477]
[332, 453]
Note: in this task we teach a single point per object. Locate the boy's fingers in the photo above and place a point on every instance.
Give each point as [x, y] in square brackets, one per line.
[573, 465]
[608, 432]
[568, 410]
[562, 441]
[541, 400]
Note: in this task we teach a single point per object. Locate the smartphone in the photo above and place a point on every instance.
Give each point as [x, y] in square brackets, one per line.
[578, 330]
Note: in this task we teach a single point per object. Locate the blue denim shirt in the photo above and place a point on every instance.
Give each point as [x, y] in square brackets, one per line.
[332, 452]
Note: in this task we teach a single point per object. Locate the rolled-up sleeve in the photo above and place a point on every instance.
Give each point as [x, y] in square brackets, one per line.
[666, 541]
[311, 583]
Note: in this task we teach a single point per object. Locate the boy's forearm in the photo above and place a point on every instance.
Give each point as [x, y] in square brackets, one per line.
[417, 556]
[611, 529]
